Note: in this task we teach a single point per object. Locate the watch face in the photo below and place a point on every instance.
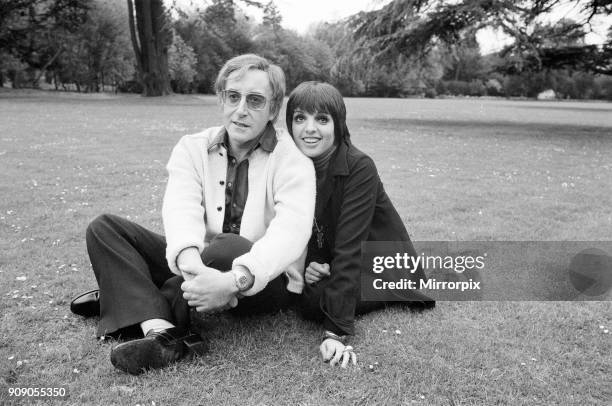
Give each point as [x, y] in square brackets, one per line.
[242, 281]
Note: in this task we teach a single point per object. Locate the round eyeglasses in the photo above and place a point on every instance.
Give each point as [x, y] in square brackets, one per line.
[254, 101]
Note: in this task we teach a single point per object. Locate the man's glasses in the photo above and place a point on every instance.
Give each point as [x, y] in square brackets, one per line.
[254, 101]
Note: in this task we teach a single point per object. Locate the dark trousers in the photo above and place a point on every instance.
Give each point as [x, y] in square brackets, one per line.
[136, 284]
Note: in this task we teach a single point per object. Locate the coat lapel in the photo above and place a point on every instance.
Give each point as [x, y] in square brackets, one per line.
[338, 167]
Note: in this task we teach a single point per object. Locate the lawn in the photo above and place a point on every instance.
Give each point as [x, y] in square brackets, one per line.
[456, 170]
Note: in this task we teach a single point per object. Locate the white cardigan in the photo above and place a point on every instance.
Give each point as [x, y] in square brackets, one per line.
[277, 216]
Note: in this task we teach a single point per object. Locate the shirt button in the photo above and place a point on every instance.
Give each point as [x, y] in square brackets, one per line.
[229, 184]
[219, 208]
[222, 182]
[233, 204]
[234, 225]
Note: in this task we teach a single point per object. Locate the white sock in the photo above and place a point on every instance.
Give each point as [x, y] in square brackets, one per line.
[155, 325]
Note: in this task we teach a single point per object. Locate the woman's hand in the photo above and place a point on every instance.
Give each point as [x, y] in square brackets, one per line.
[337, 353]
[315, 272]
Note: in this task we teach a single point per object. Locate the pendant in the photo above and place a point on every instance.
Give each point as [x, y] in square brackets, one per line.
[320, 239]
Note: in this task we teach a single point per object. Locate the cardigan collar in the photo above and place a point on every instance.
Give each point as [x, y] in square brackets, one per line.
[267, 140]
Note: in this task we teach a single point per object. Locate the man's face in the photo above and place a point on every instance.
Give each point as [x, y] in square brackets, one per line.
[244, 123]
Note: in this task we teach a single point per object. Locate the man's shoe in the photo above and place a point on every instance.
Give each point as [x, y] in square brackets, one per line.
[86, 304]
[156, 350]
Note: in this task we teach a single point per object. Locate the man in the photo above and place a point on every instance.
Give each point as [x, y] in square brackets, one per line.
[237, 215]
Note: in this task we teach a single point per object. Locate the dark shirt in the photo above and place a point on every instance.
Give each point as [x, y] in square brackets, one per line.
[237, 179]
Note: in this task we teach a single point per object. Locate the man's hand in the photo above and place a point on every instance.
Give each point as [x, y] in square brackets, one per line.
[190, 263]
[211, 291]
[337, 353]
[315, 272]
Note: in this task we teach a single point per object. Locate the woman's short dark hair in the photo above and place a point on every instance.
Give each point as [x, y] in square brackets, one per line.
[319, 97]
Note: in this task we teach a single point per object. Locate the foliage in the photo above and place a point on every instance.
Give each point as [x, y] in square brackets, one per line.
[215, 35]
[357, 72]
[100, 52]
[272, 17]
[29, 32]
[85, 47]
[462, 60]
[301, 58]
[416, 26]
[409, 47]
[10, 67]
[182, 62]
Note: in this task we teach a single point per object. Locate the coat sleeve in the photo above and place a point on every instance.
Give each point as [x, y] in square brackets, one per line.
[183, 209]
[341, 292]
[285, 239]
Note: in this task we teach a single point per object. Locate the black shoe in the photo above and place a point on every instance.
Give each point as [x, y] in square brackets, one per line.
[86, 304]
[156, 350]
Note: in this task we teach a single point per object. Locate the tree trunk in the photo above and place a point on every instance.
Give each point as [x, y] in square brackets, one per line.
[151, 38]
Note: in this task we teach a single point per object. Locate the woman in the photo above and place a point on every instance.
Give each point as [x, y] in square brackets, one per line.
[351, 207]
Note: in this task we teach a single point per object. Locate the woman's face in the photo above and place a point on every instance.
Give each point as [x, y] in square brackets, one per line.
[313, 133]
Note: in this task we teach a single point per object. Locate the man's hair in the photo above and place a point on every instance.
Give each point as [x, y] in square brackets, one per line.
[319, 97]
[244, 63]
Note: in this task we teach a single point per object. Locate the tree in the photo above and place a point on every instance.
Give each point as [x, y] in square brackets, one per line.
[99, 53]
[150, 25]
[31, 32]
[182, 61]
[356, 71]
[151, 37]
[462, 59]
[416, 26]
[347, 71]
[301, 58]
[272, 17]
[215, 35]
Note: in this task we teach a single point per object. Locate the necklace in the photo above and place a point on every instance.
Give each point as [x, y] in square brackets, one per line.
[319, 234]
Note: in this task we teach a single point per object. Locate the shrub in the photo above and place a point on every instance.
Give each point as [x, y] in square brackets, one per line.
[494, 87]
[130, 86]
[476, 88]
[603, 87]
[457, 87]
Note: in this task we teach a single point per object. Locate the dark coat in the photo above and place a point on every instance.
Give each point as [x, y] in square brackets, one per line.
[352, 206]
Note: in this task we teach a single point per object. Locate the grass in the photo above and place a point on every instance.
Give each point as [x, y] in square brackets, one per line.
[455, 169]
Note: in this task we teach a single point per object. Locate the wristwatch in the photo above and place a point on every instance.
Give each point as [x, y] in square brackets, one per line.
[243, 278]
